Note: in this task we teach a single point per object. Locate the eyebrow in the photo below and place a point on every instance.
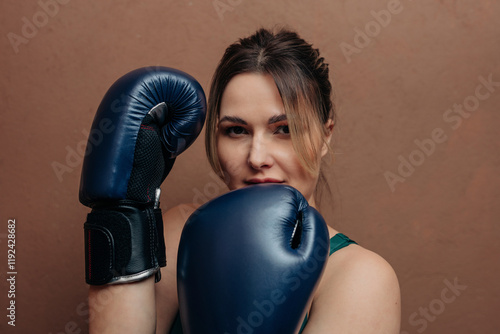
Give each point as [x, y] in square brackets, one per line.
[277, 118]
[232, 119]
[235, 119]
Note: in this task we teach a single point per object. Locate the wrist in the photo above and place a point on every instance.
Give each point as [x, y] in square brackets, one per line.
[123, 243]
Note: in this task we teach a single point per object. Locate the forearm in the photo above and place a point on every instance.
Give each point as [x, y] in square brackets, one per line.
[123, 308]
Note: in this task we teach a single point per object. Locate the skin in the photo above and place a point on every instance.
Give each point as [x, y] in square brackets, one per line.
[359, 291]
[253, 141]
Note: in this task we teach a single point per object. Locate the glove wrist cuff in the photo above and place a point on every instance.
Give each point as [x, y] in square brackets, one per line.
[123, 244]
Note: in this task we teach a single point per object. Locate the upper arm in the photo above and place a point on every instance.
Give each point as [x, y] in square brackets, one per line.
[359, 293]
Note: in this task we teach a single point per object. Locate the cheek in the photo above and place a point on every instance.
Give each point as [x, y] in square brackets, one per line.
[289, 162]
[231, 159]
[297, 175]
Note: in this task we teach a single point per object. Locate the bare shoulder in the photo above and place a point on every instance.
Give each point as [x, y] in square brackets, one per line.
[176, 217]
[180, 212]
[174, 220]
[359, 265]
[359, 293]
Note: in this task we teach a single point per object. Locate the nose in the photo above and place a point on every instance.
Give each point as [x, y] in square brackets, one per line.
[260, 156]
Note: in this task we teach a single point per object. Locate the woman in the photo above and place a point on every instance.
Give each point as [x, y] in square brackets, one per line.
[270, 119]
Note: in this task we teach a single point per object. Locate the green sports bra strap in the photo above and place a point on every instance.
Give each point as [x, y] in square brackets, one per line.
[339, 241]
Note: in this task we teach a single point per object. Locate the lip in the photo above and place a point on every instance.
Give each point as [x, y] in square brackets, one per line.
[265, 180]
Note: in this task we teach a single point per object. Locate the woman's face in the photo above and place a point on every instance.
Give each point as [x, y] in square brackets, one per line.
[253, 141]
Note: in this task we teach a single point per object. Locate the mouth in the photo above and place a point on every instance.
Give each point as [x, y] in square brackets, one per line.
[265, 180]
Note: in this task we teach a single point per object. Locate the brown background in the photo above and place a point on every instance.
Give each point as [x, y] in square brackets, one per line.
[438, 226]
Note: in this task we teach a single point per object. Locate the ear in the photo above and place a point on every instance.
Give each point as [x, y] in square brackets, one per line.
[329, 131]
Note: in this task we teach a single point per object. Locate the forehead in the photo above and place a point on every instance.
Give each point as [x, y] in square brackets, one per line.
[250, 94]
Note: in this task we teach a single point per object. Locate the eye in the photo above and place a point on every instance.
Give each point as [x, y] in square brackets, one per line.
[234, 131]
[283, 130]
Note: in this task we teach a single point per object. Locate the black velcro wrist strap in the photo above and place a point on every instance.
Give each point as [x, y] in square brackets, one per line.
[161, 251]
[121, 245]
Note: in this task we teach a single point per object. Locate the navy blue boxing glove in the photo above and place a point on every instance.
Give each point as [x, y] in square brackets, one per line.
[249, 262]
[144, 121]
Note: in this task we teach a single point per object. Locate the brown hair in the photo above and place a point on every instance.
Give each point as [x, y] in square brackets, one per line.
[301, 77]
